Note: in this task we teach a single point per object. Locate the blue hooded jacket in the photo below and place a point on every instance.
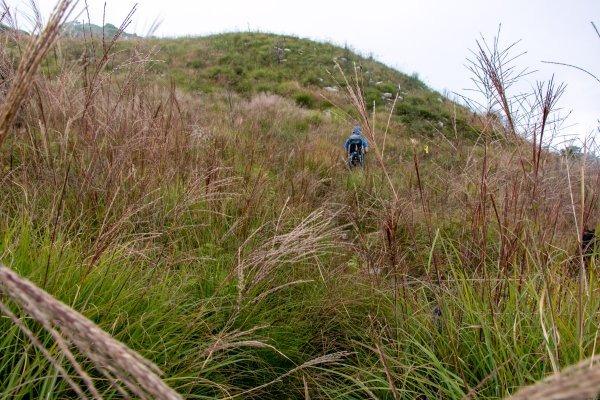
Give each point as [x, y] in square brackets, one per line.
[356, 133]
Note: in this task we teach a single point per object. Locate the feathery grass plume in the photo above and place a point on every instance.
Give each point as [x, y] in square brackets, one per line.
[236, 339]
[28, 66]
[312, 237]
[326, 359]
[580, 381]
[118, 363]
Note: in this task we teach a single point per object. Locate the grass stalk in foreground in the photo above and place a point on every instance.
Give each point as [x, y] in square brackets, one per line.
[122, 367]
[29, 64]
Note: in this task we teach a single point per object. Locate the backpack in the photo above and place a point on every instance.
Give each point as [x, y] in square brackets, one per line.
[355, 144]
[355, 151]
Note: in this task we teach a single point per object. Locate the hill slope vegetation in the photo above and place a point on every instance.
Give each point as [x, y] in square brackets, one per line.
[191, 197]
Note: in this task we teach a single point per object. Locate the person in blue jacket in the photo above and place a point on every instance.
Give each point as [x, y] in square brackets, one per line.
[356, 139]
[357, 133]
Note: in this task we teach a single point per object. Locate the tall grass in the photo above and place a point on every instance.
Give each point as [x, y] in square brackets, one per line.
[504, 290]
[221, 238]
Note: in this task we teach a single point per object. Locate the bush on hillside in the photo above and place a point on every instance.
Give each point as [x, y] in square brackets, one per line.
[305, 100]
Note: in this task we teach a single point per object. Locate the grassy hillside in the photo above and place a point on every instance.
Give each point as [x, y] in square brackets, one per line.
[246, 64]
[191, 198]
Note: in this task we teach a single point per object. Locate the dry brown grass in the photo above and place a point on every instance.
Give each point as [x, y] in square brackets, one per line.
[29, 64]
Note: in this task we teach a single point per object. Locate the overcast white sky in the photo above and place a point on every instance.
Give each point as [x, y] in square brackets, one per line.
[429, 37]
